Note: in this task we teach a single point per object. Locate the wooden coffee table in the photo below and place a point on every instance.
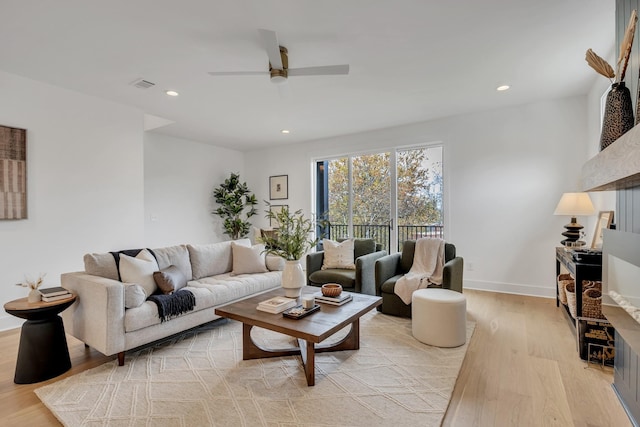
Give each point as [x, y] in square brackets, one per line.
[310, 331]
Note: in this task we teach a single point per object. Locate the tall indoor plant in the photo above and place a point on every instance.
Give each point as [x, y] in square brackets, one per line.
[235, 198]
[291, 240]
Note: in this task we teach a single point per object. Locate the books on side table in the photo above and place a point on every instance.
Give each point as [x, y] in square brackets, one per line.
[343, 298]
[54, 294]
[277, 305]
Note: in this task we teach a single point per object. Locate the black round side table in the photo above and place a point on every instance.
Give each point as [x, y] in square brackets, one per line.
[43, 351]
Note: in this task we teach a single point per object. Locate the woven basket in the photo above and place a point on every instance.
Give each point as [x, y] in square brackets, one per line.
[563, 280]
[570, 290]
[591, 284]
[592, 304]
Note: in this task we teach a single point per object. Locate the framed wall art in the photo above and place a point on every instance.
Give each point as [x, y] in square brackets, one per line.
[605, 219]
[275, 209]
[279, 187]
[13, 173]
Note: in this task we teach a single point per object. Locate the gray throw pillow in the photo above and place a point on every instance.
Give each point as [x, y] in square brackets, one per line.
[102, 265]
[174, 255]
[134, 295]
[170, 279]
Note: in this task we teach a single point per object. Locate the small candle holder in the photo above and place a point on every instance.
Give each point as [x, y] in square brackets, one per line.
[308, 301]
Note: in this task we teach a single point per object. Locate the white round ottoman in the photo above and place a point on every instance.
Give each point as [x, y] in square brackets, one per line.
[439, 317]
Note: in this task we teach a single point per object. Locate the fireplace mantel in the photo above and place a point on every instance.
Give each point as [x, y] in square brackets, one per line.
[617, 167]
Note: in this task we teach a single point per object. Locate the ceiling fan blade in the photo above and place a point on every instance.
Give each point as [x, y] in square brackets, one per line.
[238, 73]
[320, 71]
[270, 44]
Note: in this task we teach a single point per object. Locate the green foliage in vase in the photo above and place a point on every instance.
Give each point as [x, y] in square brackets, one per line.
[237, 205]
[292, 237]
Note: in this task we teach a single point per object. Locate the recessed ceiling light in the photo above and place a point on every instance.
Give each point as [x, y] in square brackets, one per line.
[172, 93]
[502, 88]
[285, 131]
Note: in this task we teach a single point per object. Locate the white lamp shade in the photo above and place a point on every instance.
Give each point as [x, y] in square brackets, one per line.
[574, 204]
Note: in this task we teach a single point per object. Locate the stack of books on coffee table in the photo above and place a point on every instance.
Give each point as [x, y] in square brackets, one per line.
[343, 298]
[54, 294]
[277, 305]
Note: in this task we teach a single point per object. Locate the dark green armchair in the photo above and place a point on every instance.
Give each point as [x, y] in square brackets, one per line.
[360, 280]
[390, 268]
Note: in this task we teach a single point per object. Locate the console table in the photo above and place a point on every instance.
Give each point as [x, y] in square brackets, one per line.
[579, 270]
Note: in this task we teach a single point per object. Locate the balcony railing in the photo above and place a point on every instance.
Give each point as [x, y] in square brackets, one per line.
[381, 233]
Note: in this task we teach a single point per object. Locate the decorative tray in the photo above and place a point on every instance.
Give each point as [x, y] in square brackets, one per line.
[298, 312]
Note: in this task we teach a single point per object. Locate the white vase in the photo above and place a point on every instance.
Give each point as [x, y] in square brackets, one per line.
[292, 278]
[34, 296]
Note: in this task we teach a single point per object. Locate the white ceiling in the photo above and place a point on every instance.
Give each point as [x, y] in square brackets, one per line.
[411, 60]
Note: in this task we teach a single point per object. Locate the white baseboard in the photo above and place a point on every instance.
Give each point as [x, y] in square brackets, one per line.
[510, 288]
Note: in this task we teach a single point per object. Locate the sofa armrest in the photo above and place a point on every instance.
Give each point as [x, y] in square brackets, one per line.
[314, 263]
[386, 268]
[452, 274]
[365, 272]
[97, 316]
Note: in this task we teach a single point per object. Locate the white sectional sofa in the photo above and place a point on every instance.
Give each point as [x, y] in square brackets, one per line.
[103, 317]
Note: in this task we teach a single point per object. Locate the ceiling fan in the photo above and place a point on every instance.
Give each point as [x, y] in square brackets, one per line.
[279, 63]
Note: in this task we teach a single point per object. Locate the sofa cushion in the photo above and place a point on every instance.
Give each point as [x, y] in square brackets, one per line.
[388, 287]
[363, 247]
[406, 260]
[212, 259]
[139, 270]
[134, 295]
[209, 292]
[345, 278]
[103, 265]
[226, 287]
[248, 259]
[175, 255]
[169, 279]
[338, 255]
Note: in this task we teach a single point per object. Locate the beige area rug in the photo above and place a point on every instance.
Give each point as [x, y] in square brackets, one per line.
[200, 379]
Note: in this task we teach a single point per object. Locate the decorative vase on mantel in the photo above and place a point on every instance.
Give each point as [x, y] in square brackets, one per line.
[618, 114]
[293, 278]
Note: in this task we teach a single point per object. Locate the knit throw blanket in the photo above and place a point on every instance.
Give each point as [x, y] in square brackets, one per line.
[174, 304]
[428, 263]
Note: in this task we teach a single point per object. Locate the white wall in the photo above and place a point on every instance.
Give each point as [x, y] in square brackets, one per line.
[84, 180]
[504, 172]
[179, 178]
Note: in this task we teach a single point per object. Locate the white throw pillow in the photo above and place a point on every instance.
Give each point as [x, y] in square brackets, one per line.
[139, 270]
[275, 263]
[248, 259]
[338, 255]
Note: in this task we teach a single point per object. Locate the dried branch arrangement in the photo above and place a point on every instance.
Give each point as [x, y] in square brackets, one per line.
[32, 284]
[602, 67]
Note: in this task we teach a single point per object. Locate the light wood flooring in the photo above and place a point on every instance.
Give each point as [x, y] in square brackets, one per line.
[521, 369]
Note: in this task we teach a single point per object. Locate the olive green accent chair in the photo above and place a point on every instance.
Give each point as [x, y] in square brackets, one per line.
[390, 268]
[360, 280]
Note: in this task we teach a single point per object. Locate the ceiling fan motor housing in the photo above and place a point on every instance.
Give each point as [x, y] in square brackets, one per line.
[280, 76]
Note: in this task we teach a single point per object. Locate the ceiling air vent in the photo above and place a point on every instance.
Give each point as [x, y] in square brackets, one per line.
[142, 84]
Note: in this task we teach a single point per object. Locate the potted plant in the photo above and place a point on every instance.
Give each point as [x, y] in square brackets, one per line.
[235, 198]
[291, 240]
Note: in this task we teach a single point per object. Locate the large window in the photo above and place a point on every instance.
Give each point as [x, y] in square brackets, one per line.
[389, 196]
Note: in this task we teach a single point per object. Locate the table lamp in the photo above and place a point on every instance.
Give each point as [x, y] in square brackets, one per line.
[574, 204]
